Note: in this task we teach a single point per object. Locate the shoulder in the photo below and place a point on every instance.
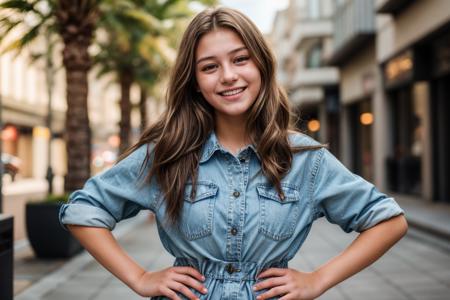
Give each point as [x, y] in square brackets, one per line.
[140, 153]
[298, 139]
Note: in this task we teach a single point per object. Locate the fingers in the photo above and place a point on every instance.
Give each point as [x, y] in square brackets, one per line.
[273, 292]
[269, 283]
[170, 294]
[189, 271]
[276, 284]
[189, 281]
[179, 287]
[184, 277]
[272, 272]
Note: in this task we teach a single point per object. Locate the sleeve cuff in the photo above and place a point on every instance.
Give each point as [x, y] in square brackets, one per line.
[85, 215]
[382, 211]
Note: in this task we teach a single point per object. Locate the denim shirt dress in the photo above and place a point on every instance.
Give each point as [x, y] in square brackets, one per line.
[237, 225]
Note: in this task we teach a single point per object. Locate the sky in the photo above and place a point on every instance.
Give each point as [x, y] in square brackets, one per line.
[262, 12]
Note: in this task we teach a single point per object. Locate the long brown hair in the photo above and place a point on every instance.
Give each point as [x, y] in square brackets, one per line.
[180, 133]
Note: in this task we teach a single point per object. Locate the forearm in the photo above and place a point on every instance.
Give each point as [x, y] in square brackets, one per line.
[363, 251]
[102, 245]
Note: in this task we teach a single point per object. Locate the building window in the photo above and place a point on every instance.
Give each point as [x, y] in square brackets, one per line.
[314, 57]
[313, 9]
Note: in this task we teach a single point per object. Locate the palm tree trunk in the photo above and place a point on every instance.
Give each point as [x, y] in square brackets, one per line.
[143, 108]
[78, 132]
[126, 80]
[76, 24]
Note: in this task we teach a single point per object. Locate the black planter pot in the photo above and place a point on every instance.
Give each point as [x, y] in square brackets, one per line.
[45, 234]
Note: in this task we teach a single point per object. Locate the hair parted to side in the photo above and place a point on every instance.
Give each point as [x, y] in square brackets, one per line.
[178, 136]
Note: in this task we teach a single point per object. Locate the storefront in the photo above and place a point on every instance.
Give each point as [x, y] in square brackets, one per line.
[440, 110]
[417, 85]
[408, 99]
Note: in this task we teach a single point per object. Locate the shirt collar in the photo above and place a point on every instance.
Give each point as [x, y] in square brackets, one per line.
[212, 145]
[209, 147]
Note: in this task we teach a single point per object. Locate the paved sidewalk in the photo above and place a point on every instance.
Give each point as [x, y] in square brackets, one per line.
[413, 269]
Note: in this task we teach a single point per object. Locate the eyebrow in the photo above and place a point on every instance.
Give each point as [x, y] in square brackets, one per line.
[212, 57]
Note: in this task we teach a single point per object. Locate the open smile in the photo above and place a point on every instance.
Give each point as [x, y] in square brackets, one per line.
[232, 92]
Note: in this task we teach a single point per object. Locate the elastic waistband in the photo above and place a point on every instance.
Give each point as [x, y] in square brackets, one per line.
[230, 270]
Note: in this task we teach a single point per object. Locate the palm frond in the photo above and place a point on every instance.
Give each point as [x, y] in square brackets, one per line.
[145, 18]
[19, 5]
[9, 26]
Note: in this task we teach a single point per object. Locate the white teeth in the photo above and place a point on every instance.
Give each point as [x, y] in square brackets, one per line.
[233, 92]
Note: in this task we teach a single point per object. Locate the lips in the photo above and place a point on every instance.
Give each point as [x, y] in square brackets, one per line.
[232, 92]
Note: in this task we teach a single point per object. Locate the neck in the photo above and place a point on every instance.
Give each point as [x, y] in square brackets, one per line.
[231, 133]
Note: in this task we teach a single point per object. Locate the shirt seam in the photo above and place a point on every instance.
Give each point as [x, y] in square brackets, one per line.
[314, 174]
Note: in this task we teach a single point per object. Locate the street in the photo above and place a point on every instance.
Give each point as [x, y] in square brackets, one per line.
[412, 269]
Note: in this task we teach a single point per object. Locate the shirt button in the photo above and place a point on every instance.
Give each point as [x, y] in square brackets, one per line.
[229, 268]
[242, 160]
[234, 231]
[236, 194]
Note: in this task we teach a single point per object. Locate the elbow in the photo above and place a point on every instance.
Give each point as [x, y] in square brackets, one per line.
[402, 225]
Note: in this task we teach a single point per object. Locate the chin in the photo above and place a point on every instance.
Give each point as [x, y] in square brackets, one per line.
[234, 112]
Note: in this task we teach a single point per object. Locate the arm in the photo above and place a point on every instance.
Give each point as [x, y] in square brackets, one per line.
[370, 245]
[113, 195]
[354, 204]
[102, 245]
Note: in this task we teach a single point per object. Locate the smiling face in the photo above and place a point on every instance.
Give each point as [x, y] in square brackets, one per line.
[226, 74]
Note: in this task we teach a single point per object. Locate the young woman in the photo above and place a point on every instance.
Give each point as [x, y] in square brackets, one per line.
[234, 188]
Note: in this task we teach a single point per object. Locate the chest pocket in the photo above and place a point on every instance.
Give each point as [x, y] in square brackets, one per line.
[198, 213]
[278, 217]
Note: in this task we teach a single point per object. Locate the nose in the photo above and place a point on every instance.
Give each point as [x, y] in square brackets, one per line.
[229, 75]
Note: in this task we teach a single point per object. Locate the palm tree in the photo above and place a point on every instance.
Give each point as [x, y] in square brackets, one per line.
[74, 22]
[122, 31]
[130, 34]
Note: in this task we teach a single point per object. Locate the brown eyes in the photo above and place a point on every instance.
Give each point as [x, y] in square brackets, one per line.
[209, 68]
[240, 60]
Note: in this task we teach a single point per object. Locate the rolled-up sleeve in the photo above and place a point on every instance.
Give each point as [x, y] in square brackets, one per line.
[347, 199]
[113, 195]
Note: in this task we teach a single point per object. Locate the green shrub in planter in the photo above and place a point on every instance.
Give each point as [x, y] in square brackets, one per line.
[45, 234]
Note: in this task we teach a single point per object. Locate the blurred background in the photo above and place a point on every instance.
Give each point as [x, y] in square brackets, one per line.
[80, 80]
[370, 78]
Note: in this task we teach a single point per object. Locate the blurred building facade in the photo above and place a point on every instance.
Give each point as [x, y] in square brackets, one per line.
[302, 37]
[24, 113]
[393, 60]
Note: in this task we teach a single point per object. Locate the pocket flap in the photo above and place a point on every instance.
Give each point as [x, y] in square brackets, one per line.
[291, 193]
[204, 190]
